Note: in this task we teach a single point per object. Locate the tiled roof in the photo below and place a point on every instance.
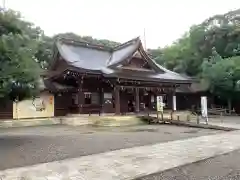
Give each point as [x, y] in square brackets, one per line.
[88, 57]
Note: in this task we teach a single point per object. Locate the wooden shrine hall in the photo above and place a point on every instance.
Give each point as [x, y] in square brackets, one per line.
[87, 78]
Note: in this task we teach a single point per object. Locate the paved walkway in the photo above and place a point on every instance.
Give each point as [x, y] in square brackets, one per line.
[130, 163]
[226, 124]
[225, 121]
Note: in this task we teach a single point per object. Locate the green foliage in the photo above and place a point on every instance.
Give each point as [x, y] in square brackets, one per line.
[19, 72]
[44, 51]
[223, 76]
[210, 51]
[186, 55]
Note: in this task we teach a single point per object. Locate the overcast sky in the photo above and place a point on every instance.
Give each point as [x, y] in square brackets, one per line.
[121, 20]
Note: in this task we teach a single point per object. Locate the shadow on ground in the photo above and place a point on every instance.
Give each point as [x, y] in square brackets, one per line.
[223, 167]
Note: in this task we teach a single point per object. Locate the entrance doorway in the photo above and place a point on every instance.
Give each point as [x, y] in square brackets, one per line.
[127, 101]
[131, 103]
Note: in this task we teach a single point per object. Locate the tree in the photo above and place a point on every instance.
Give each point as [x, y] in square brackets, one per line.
[223, 76]
[211, 52]
[44, 51]
[183, 55]
[219, 72]
[19, 72]
[186, 55]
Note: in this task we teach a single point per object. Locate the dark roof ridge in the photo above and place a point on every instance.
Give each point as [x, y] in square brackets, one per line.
[134, 40]
[83, 43]
[86, 44]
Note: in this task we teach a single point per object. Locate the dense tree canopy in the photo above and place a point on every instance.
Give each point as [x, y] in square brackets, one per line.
[223, 75]
[18, 45]
[186, 55]
[210, 51]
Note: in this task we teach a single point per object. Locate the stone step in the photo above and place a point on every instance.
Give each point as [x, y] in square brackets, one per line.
[76, 120]
[118, 121]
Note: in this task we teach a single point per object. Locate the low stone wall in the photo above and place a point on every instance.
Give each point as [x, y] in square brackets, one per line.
[76, 120]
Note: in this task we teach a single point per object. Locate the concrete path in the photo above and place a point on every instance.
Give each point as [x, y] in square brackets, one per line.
[225, 124]
[130, 163]
[222, 167]
[225, 121]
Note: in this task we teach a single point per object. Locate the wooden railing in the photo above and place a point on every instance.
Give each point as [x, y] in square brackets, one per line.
[216, 111]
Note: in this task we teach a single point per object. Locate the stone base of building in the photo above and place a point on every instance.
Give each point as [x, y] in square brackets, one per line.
[117, 121]
[75, 120]
[29, 122]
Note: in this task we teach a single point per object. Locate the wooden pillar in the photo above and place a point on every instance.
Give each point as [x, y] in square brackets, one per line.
[169, 104]
[80, 100]
[174, 100]
[137, 101]
[174, 108]
[80, 95]
[101, 95]
[117, 100]
[171, 100]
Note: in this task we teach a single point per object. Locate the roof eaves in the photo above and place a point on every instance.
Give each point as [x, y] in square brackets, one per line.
[148, 79]
[150, 60]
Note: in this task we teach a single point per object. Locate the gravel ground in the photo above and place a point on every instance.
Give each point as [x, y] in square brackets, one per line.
[32, 145]
[224, 167]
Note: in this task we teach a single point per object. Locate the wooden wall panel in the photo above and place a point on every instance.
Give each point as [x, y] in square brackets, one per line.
[62, 103]
[6, 110]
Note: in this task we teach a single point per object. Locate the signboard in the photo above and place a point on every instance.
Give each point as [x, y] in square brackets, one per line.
[39, 104]
[42, 106]
[204, 108]
[160, 104]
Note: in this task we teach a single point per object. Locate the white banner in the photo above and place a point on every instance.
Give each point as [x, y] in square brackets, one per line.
[204, 108]
[174, 103]
[160, 103]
